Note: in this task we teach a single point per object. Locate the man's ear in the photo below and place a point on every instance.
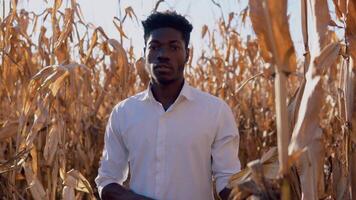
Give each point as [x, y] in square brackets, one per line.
[187, 54]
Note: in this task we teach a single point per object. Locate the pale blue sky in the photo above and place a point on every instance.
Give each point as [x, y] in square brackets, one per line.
[199, 12]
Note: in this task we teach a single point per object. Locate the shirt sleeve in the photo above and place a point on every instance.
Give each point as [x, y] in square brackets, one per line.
[114, 162]
[225, 160]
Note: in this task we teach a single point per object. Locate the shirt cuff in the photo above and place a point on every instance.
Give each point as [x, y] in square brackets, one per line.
[221, 183]
[103, 184]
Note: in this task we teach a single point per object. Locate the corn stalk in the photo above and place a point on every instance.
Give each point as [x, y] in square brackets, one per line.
[269, 19]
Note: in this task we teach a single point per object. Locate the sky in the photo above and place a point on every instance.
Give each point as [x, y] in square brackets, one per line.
[199, 12]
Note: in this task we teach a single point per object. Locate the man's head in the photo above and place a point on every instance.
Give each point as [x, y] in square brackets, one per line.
[166, 46]
[167, 20]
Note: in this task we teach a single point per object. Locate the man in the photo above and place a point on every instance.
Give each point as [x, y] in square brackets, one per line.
[173, 136]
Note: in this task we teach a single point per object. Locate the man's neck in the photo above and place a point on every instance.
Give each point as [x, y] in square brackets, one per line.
[166, 94]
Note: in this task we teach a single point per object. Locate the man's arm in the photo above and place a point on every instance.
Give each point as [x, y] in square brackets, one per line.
[113, 169]
[114, 191]
[225, 151]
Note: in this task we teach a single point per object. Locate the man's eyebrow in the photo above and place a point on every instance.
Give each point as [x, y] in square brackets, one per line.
[154, 41]
[170, 42]
[175, 42]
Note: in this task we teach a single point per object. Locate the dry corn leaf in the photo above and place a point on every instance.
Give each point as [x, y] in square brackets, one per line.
[52, 140]
[93, 43]
[308, 119]
[57, 83]
[204, 30]
[57, 4]
[310, 165]
[36, 188]
[270, 168]
[54, 179]
[269, 20]
[130, 12]
[119, 27]
[231, 16]
[141, 70]
[352, 105]
[251, 180]
[118, 61]
[76, 180]
[157, 5]
[322, 19]
[67, 30]
[9, 129]
[340, 180]
[41, 116]
[353, 171]
[351, 28]
[34, 163]
[51, 78]
[340, 8]
[307, 132]
[346, 90]
[294, 104]
[68, 193]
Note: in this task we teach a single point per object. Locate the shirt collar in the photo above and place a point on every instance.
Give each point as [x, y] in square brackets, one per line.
[185, 92]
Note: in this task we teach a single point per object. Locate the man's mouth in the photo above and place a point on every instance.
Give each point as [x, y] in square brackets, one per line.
[162, 68]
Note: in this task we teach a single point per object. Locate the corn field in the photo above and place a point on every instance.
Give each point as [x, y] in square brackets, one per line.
[296, 117]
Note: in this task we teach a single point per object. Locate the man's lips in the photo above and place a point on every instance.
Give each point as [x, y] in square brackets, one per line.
[162, 68]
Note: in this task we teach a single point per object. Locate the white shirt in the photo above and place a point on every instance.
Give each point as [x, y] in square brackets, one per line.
[172, 154]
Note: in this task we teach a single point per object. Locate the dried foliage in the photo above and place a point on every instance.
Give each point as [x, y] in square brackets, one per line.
[320, 147]
[60, 78]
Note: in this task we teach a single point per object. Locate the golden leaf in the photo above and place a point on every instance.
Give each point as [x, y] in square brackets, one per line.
[322, 19]
[141, 70]
[308, 120]
[36, 188]
[351, 28]
[204, 30]
[119, 27]
[340, 7]
[68, 193]
[76, 180]
[52, 140]
[269, 19]
[41, 116]
[9, 129]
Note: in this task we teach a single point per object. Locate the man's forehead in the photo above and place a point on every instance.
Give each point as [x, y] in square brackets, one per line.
[166, 34]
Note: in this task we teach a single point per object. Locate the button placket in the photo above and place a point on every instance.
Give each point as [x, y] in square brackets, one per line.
[161, 132]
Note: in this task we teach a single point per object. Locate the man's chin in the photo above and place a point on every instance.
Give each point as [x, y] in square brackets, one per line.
[165, 81]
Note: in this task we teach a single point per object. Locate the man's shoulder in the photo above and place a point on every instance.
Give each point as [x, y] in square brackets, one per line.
[206, 97]
[130, 101]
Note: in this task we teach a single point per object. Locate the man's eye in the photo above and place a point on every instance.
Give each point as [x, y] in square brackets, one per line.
[175, 48]
[152, 47]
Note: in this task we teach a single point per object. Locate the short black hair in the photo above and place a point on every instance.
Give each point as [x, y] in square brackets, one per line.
[168, 19]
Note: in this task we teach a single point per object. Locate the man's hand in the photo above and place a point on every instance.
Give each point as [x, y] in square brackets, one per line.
[225, 193]
[114, 191]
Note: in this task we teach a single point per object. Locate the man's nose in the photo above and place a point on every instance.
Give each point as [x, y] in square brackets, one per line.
[163, 54]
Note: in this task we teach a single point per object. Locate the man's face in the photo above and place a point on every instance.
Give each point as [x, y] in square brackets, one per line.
[166, 55]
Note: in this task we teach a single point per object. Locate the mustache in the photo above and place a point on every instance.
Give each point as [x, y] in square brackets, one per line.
[158, 62]
[161, 64]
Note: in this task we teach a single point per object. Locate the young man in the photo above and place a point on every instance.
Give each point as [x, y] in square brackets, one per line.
[173, 136]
